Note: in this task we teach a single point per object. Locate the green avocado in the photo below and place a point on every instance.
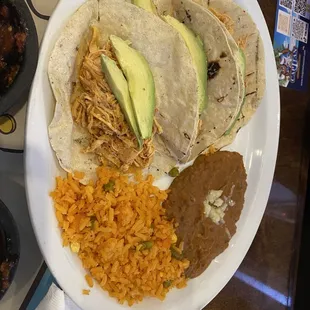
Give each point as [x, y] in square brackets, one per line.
[119, 87]
[241, 60]
[242, 64]
[140, 83]
[196, 49]
[147, 5]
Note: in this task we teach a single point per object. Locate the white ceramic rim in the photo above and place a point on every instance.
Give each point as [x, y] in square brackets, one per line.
[241, 242]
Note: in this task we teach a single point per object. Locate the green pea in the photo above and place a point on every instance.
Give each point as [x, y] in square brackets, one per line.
[109, 186]
[146, 245]
[167, 283]
[174, 172]
[92, 221]
[176, 254]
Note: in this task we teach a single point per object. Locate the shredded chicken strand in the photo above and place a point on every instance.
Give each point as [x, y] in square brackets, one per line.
[225, 19]
[95, 108]
[242, 42]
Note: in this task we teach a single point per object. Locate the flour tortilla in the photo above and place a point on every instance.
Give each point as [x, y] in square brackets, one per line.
[172, 68]
[255, 77]
[226, 90]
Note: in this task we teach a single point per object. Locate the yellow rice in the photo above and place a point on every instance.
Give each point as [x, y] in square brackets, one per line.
[85, 292]
[89, 280]
[107, 228]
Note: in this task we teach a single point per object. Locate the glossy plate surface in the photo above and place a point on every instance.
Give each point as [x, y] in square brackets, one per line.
[257, 142]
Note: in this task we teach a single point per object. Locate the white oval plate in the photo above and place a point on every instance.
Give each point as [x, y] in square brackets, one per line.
[257, 142]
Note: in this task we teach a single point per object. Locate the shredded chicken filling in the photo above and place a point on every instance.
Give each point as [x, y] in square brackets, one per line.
[95, 108]
[242, 42]
[225, 19]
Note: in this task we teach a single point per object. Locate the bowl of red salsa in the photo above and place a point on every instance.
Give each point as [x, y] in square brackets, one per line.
[18, 53]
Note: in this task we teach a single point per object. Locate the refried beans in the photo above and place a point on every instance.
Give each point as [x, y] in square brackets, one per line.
[204, 239]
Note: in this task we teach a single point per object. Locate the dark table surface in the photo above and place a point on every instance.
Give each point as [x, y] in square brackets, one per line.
[267, 276]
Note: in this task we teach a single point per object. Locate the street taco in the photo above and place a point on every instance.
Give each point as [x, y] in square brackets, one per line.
[244, 31]
[80, 134]
[225, 88]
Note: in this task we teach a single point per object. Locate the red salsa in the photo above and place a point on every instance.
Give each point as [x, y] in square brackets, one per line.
[12, 44]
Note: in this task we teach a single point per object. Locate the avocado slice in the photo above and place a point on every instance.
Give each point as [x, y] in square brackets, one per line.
[196, 49]
[140, 83]
[242, 64]
[147, 5]
[119, 87]
[241, 60]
